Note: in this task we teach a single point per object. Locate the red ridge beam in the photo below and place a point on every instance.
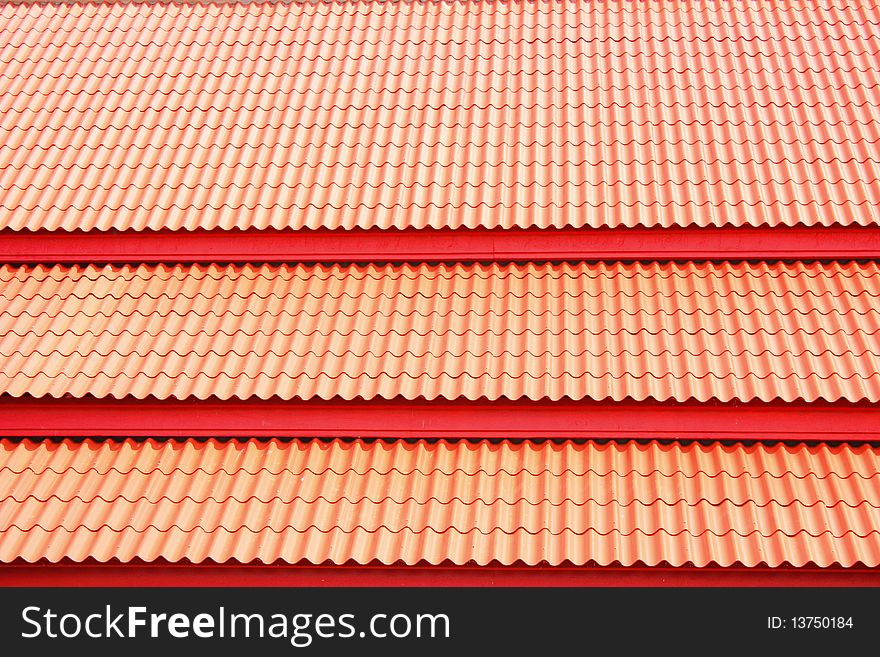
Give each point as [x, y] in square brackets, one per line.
[222, 575]
[398, 418]
[430, 245]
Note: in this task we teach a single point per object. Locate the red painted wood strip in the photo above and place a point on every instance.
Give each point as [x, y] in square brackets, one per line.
[219, 575]
[459, 245]
[439, 418]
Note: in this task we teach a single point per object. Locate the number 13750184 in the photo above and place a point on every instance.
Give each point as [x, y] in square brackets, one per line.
[810, 623]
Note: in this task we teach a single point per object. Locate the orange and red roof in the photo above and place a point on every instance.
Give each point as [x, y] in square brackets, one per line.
[184, 187]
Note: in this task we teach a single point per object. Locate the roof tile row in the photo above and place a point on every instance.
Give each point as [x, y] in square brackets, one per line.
[460, 114]
[659, 331]
[460, 502]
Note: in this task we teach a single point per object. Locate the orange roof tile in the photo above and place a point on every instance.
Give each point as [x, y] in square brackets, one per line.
[361, 114]
[440, 502]
[660, 331]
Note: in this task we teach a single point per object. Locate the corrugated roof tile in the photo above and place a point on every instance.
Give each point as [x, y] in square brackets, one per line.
[489, 502]
[659, 331]
[438, 114]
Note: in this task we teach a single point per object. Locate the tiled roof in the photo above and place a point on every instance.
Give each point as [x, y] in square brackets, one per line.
[460, 502]
[599, 331]
[442, 114]
[129, 116]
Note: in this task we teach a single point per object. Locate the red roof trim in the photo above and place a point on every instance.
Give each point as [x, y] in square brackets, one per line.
[222, 575]
[399, 418]
[450, 245]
